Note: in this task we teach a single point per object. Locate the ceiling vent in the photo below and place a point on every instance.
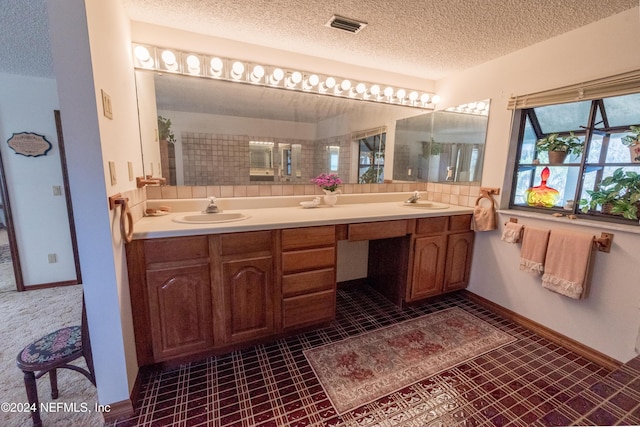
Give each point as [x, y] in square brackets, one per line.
[346, 24]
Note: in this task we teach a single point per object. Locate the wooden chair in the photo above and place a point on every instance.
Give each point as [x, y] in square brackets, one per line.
[51, 352]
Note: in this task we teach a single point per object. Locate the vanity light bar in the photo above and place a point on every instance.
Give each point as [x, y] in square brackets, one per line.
[479, 108]
[164, 60]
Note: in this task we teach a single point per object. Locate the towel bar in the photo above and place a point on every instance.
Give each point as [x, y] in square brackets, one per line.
[602, 243]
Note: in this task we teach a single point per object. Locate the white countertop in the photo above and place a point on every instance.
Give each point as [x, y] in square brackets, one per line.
[348, 210]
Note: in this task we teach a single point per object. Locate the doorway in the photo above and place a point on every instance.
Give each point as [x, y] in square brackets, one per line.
[11, 268]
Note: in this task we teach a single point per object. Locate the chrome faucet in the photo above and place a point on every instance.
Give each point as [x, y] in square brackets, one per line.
[212, 207]
[414, 198]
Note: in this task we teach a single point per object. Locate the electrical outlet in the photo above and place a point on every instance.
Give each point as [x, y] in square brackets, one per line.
[106, 105]
[57, 190]
[53, 258]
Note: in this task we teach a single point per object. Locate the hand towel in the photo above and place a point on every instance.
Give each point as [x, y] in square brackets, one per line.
[484, 219]
[512, 232]
[567, 263]
[534, 249]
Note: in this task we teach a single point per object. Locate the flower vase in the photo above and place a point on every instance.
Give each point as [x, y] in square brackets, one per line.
[330, 197]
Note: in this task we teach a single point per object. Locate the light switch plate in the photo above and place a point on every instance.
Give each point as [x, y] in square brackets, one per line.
[112, 173]
[106, 105]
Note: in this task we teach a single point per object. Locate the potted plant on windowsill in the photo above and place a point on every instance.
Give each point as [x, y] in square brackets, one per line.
[559, 146]
[618, 194]
[633, 142]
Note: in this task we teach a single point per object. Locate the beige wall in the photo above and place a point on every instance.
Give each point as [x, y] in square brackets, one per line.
[610, 318]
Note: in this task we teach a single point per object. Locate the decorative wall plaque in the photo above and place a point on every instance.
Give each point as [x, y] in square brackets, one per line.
[29, 144]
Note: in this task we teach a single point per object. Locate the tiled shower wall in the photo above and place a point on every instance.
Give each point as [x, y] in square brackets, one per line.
[224, 159]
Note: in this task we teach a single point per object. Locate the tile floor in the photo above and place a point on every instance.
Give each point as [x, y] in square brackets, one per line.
[529, 382]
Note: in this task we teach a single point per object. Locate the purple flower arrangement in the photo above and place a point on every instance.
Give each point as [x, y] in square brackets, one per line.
[327, 181]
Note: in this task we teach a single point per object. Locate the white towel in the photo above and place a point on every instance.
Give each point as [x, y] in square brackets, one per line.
[484, 219]
[512, 232]
[534, 249]
[567, 263]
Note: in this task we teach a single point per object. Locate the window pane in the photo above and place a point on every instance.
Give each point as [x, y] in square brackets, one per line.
[563, 117]
[528, 151]
[623, 110]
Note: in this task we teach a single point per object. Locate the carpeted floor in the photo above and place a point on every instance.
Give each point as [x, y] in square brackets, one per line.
[24, 317]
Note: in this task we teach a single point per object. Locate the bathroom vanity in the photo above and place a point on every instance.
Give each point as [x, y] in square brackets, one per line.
[199, 290]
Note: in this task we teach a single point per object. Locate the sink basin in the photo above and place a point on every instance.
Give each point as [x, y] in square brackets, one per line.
[426, 205]
[212, 218]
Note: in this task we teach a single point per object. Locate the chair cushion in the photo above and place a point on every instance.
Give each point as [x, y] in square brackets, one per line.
[55, 346]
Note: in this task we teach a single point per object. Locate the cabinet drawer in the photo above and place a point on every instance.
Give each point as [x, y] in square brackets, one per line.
[308, 281]
[176, 249]
[306, 310]
[308, 259]
[378, 230]
[460, 223]
[308, 237]
[435, 225]
[242, 243]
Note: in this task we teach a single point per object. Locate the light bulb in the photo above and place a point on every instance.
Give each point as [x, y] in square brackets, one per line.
[413, 96]
[375, 90]
[236, 70]
[142, 53]
[330, 82]
[193, 63]
[424, 98]
[276, 76]
[435, 99]
[361, 88]
[388, 92]
[216, 65]
[400, 94]
[168, 57]
[345, 85]
[294, 79]
[257, 74]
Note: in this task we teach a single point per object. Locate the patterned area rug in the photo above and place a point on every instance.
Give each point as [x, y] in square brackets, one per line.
[364, 368]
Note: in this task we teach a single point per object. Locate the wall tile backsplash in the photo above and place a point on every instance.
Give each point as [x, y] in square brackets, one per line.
[456, 194]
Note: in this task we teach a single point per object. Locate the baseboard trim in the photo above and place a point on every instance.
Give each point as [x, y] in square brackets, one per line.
[124, 408]
[118, 411]
[564, 341]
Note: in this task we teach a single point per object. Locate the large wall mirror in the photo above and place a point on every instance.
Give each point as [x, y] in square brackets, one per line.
[234, 134]
[224, 133]
[442, 146]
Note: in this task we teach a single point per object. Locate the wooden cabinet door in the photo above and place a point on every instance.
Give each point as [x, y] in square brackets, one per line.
[459, 253]
[248, 298]
[180, 311]
[428, 267]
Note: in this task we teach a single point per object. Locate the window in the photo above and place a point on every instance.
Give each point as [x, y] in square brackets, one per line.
[371, 159]
[599, 178]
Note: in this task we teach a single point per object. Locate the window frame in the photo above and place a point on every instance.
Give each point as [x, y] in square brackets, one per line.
[586, 132]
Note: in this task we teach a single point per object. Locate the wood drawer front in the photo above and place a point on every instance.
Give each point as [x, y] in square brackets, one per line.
[308, 282]
[460, 223]
[308, 237]
[434, 225]
[378, 230]
[310, 309]
[242, 243]
[308, 259]
[176, 249]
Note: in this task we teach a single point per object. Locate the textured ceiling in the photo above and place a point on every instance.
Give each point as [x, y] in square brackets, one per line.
[424, 38]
